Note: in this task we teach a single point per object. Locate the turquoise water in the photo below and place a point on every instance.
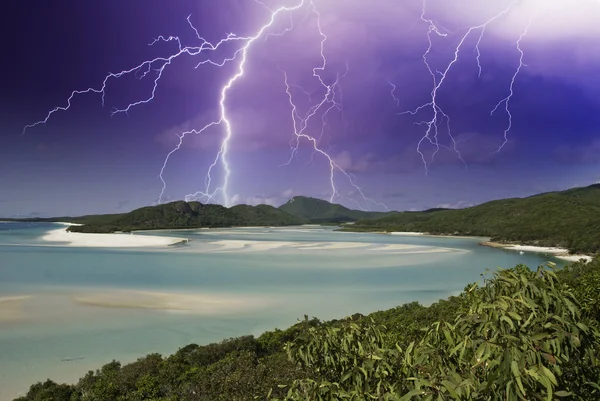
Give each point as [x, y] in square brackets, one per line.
[317, 272]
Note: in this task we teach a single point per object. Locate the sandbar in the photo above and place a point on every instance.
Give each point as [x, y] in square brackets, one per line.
[250, 245]
[333, 245]
[205, 304]
[229, 246]
[108, 240]
[11, 308]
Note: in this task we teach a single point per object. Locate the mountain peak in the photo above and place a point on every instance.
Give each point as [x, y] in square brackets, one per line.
[319, 210]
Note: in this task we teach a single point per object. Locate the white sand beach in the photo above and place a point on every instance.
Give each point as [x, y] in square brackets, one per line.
[107, 240]
[205, 304]
[410, 233]
[560, 253]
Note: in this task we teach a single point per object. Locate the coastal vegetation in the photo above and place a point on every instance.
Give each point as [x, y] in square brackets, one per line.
[567, 219]
[519, 334]
[181, 215]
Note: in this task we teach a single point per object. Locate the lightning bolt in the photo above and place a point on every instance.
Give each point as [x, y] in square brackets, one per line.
[299, 133]
[326, 104]
[506, 100]
[393, 93]
[438, 114]
[159, 64]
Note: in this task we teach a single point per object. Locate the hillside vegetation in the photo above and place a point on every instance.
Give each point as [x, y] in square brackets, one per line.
[520, 335]
[180, 215]
[317, 211]
[569, 219]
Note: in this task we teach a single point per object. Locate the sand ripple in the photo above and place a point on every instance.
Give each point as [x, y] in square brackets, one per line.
[11, 308]
[206, 304]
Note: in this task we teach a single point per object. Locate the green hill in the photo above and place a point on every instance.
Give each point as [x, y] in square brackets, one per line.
[180, 214]
[320, 211]
[87, 219]
[569, 219]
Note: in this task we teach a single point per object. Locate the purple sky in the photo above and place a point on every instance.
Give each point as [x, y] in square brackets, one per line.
[84, 160]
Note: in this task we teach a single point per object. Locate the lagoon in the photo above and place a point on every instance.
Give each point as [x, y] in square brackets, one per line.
[66, 309]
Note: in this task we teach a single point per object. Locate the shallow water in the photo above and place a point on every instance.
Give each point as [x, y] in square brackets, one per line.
[289, 271]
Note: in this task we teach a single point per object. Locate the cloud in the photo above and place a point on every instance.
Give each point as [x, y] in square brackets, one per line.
[551, 19]
[165, 199]
[579, 154]
[208, 139]
[457, 205]
[345, 161]
[238, 199]
[474, 148]
[252, 129]
[123, 203]
[272, 200]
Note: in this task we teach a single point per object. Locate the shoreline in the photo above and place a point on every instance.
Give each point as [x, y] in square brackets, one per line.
[559, 253]
[113, 240]
[122, 240]
[417, 234]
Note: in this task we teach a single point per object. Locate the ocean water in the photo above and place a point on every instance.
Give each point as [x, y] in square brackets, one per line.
[65, 310]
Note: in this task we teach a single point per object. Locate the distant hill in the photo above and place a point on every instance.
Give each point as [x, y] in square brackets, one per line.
[180, 215]
[320, 211]
[569, 219]
[87, 219]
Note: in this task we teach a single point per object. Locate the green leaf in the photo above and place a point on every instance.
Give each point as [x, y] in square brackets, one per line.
[507, 320]
[550, 375]
[411, 394]
[515, 316]
[515, 370]
[451, 389]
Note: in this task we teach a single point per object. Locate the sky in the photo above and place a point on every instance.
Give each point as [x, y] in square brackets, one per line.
[394, 96]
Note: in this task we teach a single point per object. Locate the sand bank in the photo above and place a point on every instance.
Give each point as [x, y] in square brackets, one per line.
[228, 245]
[108, 240]
[206, 304]
[250, 245]
[560, 253]
[332, 245]
[237, 246]
[11, 308]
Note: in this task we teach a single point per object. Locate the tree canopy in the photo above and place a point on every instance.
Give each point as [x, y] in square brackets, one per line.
[569, 219]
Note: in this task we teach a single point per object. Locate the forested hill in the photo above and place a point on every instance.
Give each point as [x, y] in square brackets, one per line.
[180, 215]
[320, 211]
[569, 219]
